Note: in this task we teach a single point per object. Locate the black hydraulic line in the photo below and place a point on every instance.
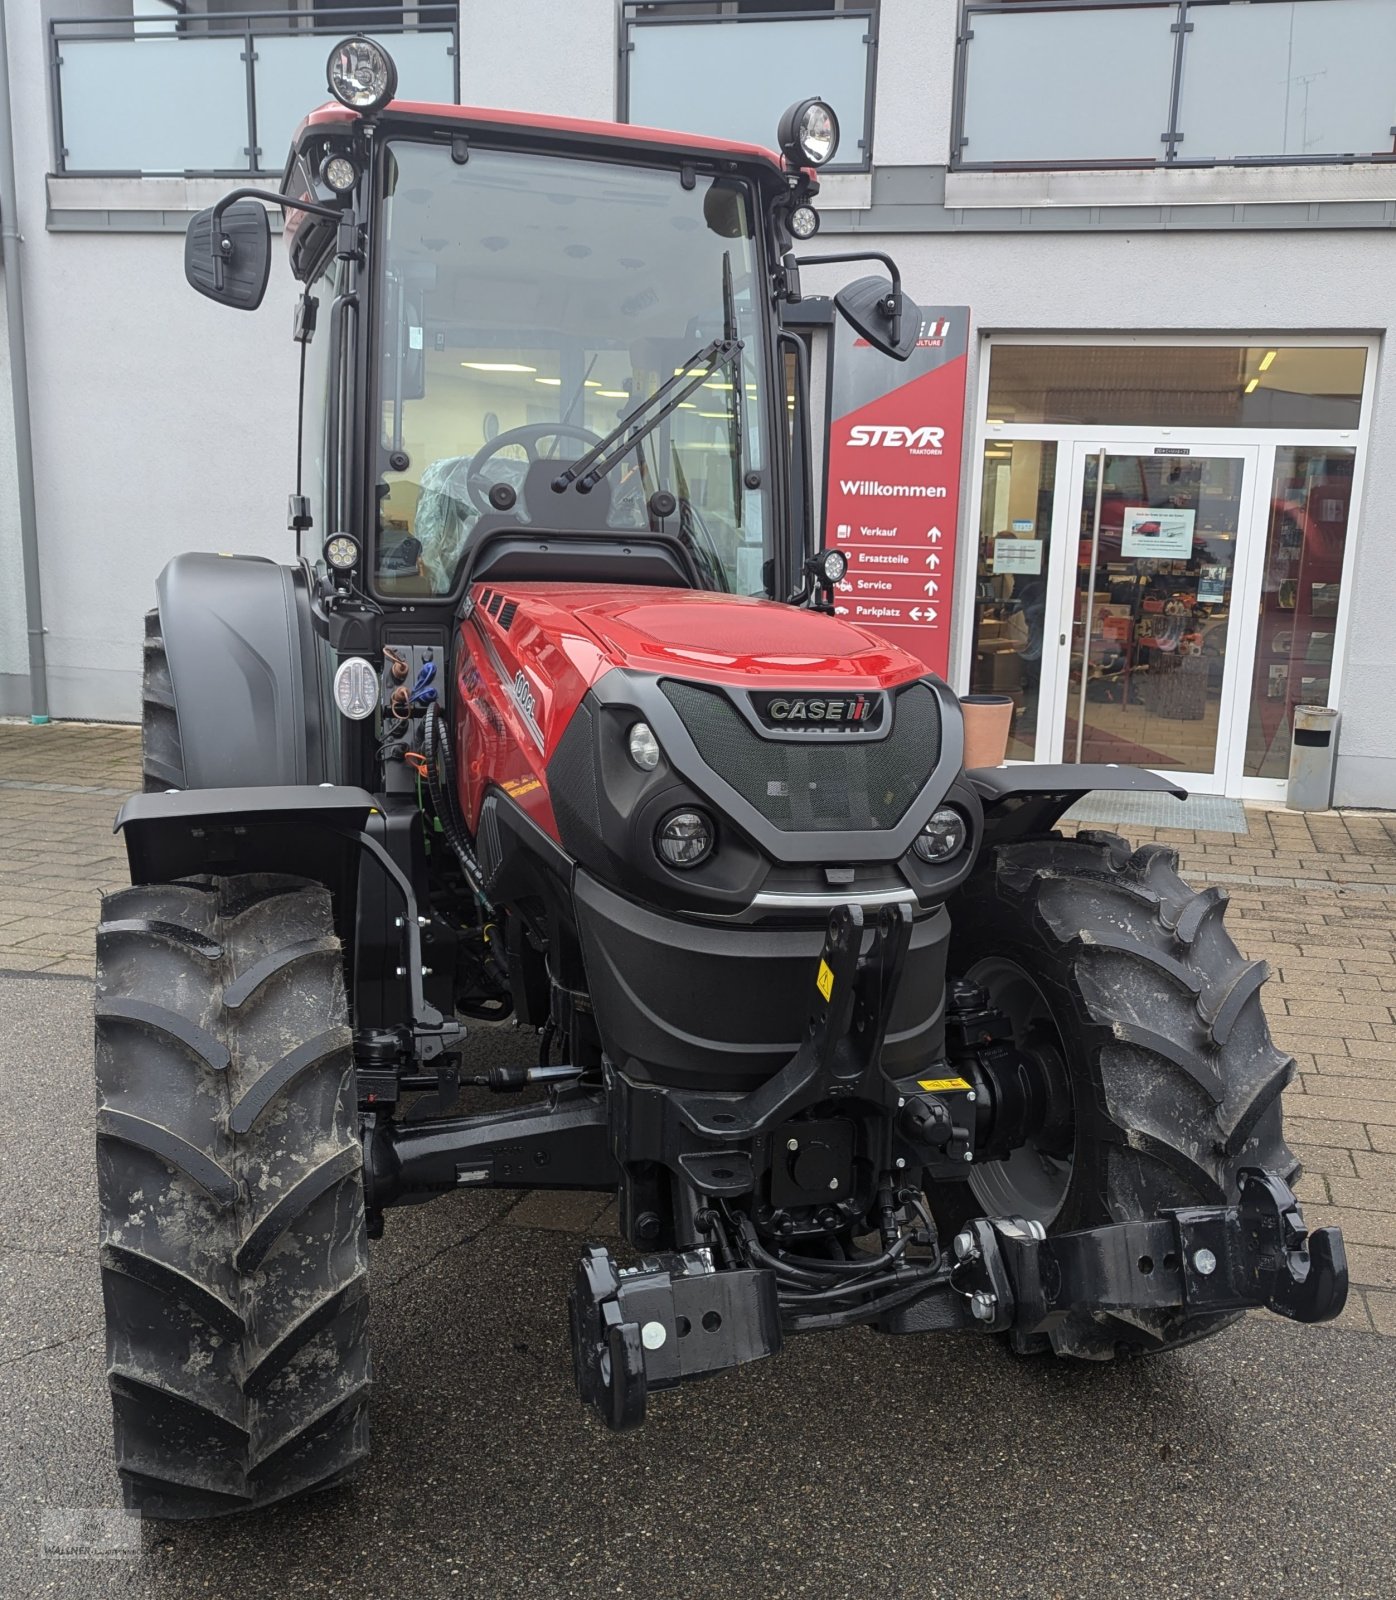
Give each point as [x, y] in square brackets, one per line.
[825, 1321]
[443, 800]
[815, 1272]
[841, 1291]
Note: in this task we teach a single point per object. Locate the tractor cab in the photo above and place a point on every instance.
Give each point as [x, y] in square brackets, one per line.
[518, 326]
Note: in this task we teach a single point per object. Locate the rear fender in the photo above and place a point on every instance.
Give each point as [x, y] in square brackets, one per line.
[245, 670]
[1028, 798]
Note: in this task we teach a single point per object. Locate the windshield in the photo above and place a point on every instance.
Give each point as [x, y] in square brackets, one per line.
[530, 305]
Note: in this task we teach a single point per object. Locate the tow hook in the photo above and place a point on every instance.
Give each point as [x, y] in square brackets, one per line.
[1257, 1253]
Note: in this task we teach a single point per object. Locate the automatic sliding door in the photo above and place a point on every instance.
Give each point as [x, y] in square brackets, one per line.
[1151, 675]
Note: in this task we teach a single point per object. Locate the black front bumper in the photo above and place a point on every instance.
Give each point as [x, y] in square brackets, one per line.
[678, 1317]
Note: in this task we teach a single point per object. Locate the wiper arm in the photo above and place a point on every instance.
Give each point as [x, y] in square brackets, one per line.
[588, 470]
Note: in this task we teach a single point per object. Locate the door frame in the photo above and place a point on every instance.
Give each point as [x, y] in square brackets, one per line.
[1240, 651]
[1267, 440]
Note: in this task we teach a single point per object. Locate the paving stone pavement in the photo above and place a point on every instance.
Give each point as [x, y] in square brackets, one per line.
[1313, 896]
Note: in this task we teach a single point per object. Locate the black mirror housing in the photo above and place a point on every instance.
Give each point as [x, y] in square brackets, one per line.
[231, 263]
[867, 303]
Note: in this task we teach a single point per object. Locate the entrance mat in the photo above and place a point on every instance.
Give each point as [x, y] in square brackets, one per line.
[1201, 813]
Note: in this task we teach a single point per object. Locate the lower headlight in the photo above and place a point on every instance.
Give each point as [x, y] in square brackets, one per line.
[684, 838]
[943, 836]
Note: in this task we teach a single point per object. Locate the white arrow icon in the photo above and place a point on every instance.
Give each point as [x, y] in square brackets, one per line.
[934, 535]
[933, 561]
[915, 613]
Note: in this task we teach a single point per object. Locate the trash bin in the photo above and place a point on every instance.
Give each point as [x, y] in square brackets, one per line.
[1311, 758]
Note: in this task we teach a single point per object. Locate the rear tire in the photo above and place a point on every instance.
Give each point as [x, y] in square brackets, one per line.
[1175, 1082]
[233, 1249]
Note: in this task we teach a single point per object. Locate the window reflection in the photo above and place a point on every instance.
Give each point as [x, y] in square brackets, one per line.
[1309, 505]
[1010, 603]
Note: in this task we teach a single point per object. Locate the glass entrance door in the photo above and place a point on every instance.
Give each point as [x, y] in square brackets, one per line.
[1154, 645]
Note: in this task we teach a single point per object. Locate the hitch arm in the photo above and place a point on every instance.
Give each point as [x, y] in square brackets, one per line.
[1202, 1259]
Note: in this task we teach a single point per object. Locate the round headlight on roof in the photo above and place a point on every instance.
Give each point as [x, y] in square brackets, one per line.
[808, 134]
[804, 222]
[361, 74]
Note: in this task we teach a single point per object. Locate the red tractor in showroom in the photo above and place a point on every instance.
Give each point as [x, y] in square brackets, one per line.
[551, 725]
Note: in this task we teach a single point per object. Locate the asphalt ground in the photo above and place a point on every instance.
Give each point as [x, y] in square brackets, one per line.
[1262, 1463]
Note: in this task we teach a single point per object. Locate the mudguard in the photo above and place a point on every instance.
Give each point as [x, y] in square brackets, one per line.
[1028, 798]
[245, 671]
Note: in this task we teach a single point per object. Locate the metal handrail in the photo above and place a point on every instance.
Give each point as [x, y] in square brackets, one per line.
[430, 17]
[1172, 136]
[866, 9]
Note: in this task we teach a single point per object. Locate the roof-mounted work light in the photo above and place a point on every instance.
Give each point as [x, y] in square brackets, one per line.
[361, 74]
[808, 134]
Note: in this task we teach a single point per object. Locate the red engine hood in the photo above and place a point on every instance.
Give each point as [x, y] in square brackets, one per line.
[717, 637]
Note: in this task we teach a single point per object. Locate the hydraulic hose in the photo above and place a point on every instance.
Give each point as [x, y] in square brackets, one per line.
[437, 742]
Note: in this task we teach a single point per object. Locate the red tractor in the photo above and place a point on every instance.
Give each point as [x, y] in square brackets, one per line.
[551, 726]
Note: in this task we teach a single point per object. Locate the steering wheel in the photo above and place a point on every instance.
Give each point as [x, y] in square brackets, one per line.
[528, 437]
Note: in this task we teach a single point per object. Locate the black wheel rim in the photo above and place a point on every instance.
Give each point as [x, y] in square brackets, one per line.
[1031, 1182]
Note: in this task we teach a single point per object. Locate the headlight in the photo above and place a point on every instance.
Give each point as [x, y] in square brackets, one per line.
[808, 134]
[338, 173]
[342, 552]
[684, 838]
[943, 836]
[644, 747]
[831, 567]
[361, 74]
[804, 222]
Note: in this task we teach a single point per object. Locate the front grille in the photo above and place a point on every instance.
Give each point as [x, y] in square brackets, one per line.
[817, 784]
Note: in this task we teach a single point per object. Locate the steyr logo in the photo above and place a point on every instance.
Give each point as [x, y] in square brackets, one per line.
[833, 713]
[896, 438]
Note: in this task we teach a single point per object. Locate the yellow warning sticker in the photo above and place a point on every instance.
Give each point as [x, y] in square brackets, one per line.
[939, 1085]
[824, 980]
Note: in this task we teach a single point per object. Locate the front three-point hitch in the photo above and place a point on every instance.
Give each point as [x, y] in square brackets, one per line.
[677, 1317]
[777, 1180]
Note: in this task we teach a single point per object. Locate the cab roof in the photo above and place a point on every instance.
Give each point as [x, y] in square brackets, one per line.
[579, 129]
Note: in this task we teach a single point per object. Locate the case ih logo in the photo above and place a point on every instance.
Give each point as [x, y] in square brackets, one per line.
[818, 711]
[920, 441]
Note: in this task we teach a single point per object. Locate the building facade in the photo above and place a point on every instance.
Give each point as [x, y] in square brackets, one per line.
[1171, 224]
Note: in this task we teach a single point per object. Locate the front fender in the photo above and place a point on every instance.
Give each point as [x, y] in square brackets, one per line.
[1029, 798]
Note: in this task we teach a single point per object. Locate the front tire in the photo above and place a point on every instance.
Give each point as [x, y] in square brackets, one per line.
[1175, 1083]
[233, 1248]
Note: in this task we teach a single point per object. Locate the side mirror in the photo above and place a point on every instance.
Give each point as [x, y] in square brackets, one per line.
[230, 261]
[886, 316]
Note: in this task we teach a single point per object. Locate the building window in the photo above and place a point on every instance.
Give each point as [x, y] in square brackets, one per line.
[730, 73]
[1178, 386]
[218, 90]
[1184, 83]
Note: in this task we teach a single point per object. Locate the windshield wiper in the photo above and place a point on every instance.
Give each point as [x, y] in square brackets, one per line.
[588, 470]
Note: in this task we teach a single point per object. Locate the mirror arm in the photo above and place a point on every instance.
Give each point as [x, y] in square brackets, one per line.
[223, 245]
[892, 306]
